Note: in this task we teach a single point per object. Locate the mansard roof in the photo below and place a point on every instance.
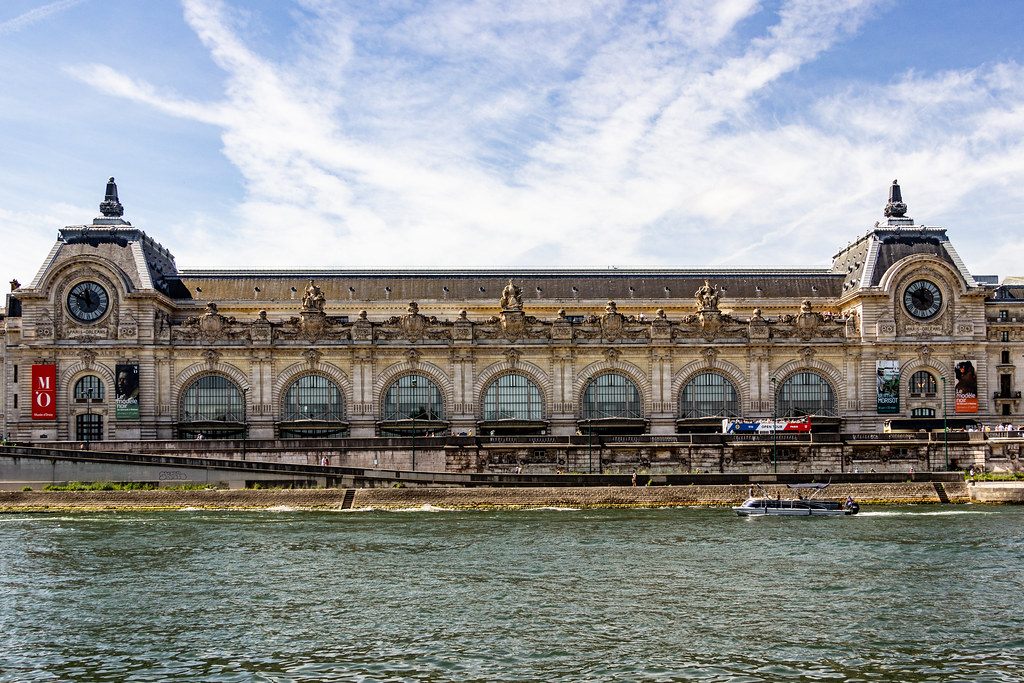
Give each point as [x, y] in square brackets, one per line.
[621, 284]
[863, 263]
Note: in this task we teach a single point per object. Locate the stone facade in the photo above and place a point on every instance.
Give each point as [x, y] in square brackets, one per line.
[620, 352]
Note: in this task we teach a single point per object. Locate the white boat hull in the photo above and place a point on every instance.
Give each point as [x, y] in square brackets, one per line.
[760, 507]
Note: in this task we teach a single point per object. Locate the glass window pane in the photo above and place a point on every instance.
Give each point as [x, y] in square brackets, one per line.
[513, 397]
[611, 395]
[313, 397]
[212, 397]
[709, 394]
[89, 427]
[806, 393]
[413, 397]
[923, 382]
[89, 386]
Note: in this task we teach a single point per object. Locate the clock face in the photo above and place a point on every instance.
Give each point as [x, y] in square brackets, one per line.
[88, 301]
[922, 299]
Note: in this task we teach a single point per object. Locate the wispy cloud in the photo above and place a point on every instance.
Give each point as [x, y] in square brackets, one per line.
[476, 132]
[36, 15]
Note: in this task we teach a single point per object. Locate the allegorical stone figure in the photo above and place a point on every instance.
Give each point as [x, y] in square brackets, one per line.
[707, 297]
[313, 299]
[511, 297]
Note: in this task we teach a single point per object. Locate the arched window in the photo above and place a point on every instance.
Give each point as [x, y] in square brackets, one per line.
[212, 398]
[709, 394]
[923, 382]
[89, 387]
[805, 393]
[513, 396]
[313, 397]
[413, 397]
[611, 395]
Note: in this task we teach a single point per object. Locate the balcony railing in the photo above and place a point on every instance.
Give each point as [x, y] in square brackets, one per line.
[1006, 394]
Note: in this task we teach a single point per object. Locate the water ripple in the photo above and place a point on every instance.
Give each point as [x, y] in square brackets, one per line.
[527, 595]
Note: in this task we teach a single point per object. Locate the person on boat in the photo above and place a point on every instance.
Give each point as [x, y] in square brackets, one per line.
[849, 502]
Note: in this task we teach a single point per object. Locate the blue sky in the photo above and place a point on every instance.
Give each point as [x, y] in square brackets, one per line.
[324, 133]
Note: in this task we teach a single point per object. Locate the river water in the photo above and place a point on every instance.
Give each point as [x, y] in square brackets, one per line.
[931, 593]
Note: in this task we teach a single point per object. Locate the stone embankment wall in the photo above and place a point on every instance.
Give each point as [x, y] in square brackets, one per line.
[603, 496]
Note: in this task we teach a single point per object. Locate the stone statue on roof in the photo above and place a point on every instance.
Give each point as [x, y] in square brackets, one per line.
[313, 299]
[511, 297]
[707, 297]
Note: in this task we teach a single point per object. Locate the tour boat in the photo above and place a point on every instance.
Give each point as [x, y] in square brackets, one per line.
[766, 505]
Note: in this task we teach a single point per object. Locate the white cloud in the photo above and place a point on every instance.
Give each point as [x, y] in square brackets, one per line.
[36, 15]
[473, 133]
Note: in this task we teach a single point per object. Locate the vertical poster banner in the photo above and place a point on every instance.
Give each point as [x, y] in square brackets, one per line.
[887, 374]
[126, 396]
[965, 393]
[44, 392]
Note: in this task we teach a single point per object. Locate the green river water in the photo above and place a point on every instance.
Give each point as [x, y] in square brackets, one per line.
[930, 593]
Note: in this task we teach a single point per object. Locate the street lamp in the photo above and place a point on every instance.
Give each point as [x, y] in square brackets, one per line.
[412, 412]
[88, 416]
[245, 418]
[775, 427]
[945, 427]
[590, 425]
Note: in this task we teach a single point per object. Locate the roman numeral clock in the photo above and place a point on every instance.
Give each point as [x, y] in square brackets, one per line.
[88, 302]
[922, 299]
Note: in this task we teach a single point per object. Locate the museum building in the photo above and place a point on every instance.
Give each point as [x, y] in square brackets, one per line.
[111, 341]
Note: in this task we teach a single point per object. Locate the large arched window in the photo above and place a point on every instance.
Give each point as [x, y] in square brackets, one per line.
[212, 398]
[806, 393]
[611, 396]
[709, 394]
[89, 387]
[313, 397]
[413, 397]
[922, 383]
[513, 397]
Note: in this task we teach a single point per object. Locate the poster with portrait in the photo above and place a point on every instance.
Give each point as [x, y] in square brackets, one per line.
[965, 392]
[127, 390]
[887, 380]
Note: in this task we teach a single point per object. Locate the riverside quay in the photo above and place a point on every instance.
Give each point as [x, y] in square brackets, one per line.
[885, 349]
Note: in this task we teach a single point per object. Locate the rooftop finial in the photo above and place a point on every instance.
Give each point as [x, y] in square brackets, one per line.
[110, 206]
[895, 208]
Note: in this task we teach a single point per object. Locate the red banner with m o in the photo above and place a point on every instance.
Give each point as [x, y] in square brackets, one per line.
[44, 392]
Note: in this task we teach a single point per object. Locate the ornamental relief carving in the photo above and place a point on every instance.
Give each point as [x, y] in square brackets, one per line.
[63, 326]
[513, 325]
[612, 326]
[311, 325]
[908, 327]
[209, 327]
[413, 326]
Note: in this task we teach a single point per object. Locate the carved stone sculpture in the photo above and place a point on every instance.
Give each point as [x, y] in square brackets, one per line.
[707, 297]
[511, 297]
[313, 299]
